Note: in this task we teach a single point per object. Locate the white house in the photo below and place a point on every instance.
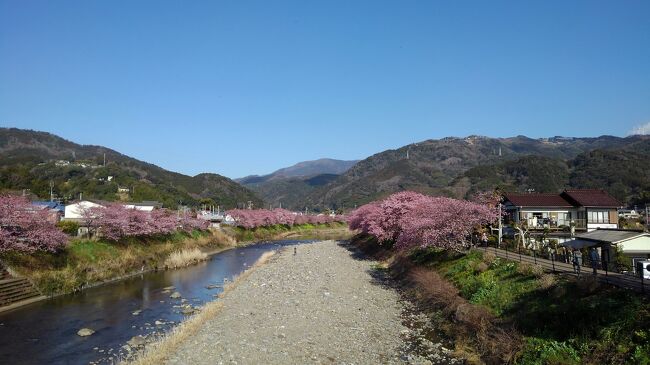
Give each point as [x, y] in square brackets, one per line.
[629, 213]
[146, 206]
[587, 209]
[75, 211]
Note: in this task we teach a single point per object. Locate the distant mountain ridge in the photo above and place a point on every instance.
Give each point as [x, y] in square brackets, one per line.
[303, 169]
[459, 167]
[28, 160]
[288, 186]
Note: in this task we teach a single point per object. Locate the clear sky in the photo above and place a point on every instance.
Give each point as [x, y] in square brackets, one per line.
[243, 87]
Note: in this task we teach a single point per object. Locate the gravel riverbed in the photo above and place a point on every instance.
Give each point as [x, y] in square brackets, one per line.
[321, 305]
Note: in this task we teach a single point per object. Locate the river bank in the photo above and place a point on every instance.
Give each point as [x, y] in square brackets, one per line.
[323, 304]
[499, 311]
[86, 263]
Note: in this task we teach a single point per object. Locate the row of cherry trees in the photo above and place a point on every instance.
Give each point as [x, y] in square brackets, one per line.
[27, 228]
[253, 218]
[24, 227]
[114, 222]
[411, 219]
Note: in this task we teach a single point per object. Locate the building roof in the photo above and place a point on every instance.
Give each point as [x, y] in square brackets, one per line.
[49, 205]
[611, 235]
[591, 198]
[567, 199]
[537, 200]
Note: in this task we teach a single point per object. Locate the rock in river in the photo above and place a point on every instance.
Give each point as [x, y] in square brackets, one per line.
[175, 295]
[85, 332]
[136, 341]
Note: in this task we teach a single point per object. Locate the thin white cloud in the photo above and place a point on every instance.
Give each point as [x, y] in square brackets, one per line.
[640, 129]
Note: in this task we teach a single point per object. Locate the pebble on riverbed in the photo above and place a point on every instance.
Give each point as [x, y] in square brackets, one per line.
[85, 332]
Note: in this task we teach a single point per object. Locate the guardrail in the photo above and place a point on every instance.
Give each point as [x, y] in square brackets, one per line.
[552, 264]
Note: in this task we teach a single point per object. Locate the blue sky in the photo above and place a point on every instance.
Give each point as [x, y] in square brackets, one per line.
[243, 87]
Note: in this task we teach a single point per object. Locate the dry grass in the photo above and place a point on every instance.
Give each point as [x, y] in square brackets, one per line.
[477, 329]
[527, 269]
[489, 257]
[158, 352]
[547, 281]
[185, 257]
[588, 284]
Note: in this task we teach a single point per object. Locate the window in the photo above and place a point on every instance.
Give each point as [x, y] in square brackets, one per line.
[598, 216]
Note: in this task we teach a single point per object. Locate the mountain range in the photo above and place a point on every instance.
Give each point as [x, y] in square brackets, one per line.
[452, 166]
[37, 161]
[288, 186]
[460, 167]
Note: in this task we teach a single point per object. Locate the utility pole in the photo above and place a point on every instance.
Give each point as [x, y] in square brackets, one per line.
[51, 190]
[500, 226]
[104, 159]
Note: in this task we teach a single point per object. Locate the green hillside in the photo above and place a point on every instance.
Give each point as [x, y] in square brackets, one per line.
[458, 167]
[34, 160]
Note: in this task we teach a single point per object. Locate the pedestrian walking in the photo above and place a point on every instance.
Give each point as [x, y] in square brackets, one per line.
[484, 239]
[593, 256]
[577, 261]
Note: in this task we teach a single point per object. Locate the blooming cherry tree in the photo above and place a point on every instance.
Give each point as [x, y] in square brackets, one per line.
[26, 228]
[414, 220]
[249, 218]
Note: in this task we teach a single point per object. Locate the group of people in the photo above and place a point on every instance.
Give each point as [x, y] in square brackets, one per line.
[594, 258]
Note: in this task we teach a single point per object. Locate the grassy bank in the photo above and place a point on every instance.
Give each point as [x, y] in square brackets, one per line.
[500, 311]
[86, 262]
[280, 232]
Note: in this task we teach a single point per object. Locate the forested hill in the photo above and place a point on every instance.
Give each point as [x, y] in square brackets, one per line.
[32, 160]
[459, 167]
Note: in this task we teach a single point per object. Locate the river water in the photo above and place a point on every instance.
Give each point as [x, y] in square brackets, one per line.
[46, 332]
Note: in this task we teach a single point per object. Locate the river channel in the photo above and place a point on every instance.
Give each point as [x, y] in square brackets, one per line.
[46, 332]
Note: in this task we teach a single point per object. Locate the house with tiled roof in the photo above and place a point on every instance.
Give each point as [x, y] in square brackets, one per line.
[582, 209]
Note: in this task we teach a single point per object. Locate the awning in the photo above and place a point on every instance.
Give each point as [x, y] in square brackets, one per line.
[578, 244]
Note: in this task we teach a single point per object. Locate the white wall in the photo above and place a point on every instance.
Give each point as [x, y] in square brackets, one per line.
[75, 211]
[146, 208]
[636, 245]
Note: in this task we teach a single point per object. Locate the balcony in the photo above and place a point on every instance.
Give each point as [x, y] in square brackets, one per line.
[539, 224]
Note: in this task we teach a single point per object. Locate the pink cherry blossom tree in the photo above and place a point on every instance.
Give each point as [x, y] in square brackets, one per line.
[250, 219]
[26, 228]
[443, 222]
[115, 221]
[414, 220]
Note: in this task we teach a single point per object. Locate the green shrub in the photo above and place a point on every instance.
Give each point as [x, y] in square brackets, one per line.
[69, 227]
[539, 351]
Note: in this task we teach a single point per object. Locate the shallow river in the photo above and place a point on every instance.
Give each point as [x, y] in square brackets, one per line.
[46, 332]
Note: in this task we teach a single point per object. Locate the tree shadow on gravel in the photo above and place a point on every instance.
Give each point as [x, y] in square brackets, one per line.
[362, 248]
